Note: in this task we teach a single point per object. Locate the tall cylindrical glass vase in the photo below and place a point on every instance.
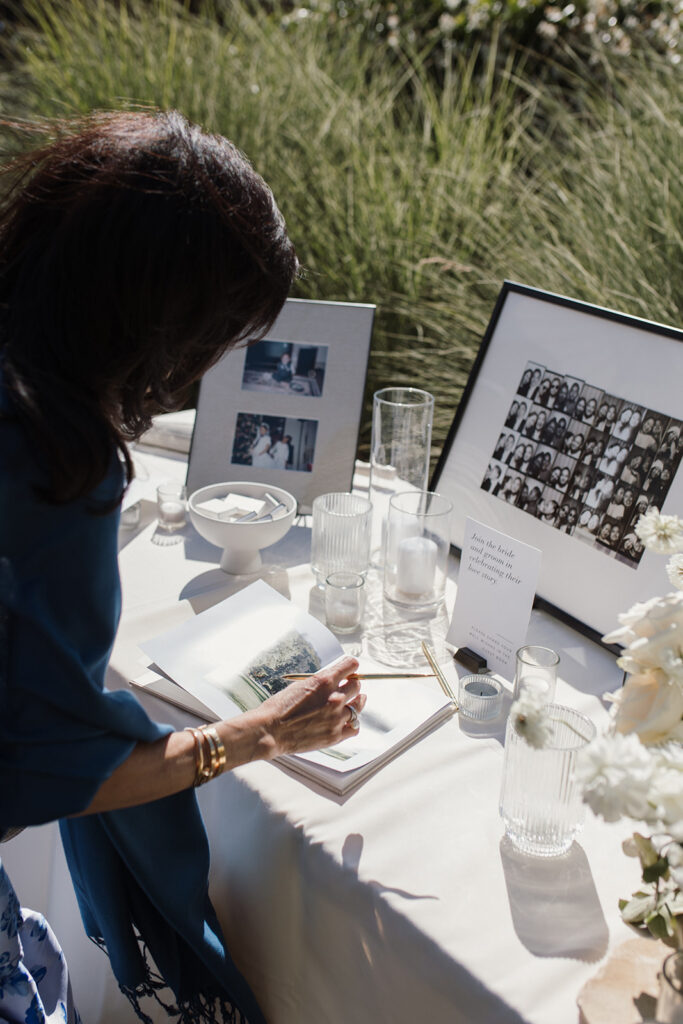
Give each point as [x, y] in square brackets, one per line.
[399, 451]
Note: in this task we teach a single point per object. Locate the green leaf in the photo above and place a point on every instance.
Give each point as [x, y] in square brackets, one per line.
[657, 870]
[646, 851]
[661, 924]
[676, 904]
[637, 908]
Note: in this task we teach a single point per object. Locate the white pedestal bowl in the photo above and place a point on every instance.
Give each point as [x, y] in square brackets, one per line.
[241, 542]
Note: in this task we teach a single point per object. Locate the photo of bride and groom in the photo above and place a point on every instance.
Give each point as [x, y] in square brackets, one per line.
[274, 442]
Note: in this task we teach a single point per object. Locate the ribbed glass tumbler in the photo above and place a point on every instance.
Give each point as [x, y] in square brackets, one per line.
[340, 535]
[540, 800]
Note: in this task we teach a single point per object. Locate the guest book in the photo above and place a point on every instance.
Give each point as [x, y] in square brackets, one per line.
[232, 657]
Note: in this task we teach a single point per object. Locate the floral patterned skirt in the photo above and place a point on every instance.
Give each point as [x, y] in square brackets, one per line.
[34, 981]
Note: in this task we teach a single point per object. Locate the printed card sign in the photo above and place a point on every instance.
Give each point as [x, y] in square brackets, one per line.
[496, 588]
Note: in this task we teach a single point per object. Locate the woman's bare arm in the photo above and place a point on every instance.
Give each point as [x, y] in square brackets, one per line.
[304, 716]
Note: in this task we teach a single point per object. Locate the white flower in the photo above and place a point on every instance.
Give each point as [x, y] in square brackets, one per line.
[530, 718]
[615, 772]
[663, 534]
[666, 787]
[674, 570]
[674, 855]
[662, 650]
[650, 705]
[646, 618]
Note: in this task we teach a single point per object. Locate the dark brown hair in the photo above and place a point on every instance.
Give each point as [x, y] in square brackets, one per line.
[135, 249]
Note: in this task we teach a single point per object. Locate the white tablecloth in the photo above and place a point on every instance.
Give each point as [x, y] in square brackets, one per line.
[400, 903]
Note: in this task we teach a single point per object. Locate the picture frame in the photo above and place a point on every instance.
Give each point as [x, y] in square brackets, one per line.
[573, 487]
[285, 410]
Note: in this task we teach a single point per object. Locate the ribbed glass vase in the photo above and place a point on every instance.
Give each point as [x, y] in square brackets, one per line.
[540, 800]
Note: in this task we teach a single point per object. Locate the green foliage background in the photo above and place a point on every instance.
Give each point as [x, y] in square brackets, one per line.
[412, 178]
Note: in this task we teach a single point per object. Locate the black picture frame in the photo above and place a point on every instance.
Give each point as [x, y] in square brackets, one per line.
[574, 487]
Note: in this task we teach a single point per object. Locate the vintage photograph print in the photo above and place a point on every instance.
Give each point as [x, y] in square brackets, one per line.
[281, 367]
[274, 442]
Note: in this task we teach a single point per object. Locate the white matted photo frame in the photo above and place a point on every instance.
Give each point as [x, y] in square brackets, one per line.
[286, 410]
[570, 427]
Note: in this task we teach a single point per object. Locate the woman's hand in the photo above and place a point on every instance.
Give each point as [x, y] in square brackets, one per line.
[312, 713]
[306, 715]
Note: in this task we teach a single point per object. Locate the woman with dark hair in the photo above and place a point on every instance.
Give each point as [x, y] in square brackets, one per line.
[525, 383]
[511, 489]
[134, 251]
[529, 424]
[549, 431]
[543, 395]
[540, 424]
[511, 419]
[517, 459]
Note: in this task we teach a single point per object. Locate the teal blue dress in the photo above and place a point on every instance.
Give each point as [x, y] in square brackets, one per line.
[140, 874]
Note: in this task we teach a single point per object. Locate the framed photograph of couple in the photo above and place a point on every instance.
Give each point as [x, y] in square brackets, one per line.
[569, 429]
[286, 409]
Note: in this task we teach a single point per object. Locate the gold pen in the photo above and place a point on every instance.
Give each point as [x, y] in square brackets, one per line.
[368, 675]
[443, 682]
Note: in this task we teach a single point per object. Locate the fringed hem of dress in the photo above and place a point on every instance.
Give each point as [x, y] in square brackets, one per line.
[200, 1009]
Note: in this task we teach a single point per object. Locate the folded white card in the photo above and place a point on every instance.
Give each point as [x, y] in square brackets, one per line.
[496, 588]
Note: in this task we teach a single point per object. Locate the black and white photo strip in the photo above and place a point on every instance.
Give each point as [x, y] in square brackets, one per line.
[274, 442]
[584, 461]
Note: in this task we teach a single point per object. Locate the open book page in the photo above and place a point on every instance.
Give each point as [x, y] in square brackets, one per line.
[233, 656]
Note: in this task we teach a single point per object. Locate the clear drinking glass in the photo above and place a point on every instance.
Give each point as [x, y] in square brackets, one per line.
[344, 594]
[399, 451]
[416, 551]
[540, 800]
[536, 670]
[670, 1001]
[340, 535]
[171, 506]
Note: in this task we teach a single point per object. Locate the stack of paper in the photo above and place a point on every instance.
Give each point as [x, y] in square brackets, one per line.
[241, 507]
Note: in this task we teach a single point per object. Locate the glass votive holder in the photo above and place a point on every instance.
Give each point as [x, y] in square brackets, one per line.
[171, 506]
[536, 670]
[480, 697]
[344, 601]
[416, 551]
[130, 517]
[541, 799]
[670, 1000]
[340, 534]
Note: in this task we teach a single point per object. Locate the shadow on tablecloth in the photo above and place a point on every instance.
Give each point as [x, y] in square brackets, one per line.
[554, 904]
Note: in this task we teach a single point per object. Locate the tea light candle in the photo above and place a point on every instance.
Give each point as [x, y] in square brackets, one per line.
[416, 565]
[344, 595]
[171, 506]
[172, 511]
[481, 697]
[539, 685]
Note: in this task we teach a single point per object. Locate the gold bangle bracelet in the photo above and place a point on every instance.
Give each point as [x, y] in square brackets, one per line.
[218, 754]
[207, 765]
[199, 763]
